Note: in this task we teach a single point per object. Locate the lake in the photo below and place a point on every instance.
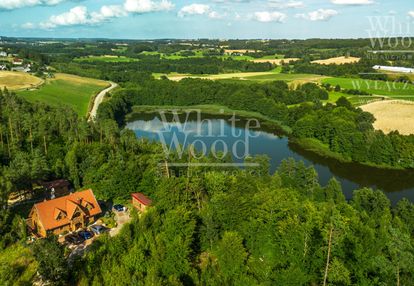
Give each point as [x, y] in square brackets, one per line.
[223, 133]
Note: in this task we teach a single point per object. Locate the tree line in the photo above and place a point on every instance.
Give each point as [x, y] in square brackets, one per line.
[340, 127]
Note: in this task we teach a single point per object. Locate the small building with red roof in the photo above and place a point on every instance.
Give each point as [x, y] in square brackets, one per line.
[140, 201]
[68, 213]
[17, 61]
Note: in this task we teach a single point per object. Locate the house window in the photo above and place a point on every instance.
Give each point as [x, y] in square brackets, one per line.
[77, 214]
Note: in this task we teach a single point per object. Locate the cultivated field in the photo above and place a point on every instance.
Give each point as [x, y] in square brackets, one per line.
[239, 76]
[337, 61]
[175, 56]
[392, 115]
[70, 90]
[107, 59]
[227, 51]
[253, 76]
[18, 80]
[376, 87]
[276, 61]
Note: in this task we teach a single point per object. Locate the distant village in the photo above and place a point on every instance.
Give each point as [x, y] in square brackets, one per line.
[13, 63]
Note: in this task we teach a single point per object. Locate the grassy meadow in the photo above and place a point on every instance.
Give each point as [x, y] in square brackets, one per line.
[70, 90]
[375, 87]
[250, 76]
[107, 59]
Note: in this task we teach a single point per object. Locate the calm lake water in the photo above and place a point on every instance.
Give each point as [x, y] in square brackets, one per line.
[223, 133]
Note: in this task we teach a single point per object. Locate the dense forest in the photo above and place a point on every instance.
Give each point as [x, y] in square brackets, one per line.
[155, 64]
[215, 227]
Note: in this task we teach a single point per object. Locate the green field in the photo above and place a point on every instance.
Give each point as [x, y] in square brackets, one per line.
[107, 59]
[298, 78]
[199, 54]
[334, 96]
[175, 56]
[273, 75]
[73, 91]
[374, 87]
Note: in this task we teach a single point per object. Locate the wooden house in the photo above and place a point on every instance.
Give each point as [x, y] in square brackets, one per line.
[140, 201]
[64, 214]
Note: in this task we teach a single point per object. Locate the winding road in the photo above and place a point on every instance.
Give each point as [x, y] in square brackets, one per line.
[98, 100]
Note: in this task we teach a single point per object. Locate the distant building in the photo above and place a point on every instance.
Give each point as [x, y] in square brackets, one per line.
[3, 67]
[141, 202]
[3, 54]
[394, 69]
[57, 188]
[64, 214]
[17, 62]
[21, 69]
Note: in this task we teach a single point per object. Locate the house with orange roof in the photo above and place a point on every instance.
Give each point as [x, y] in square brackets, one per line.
[68, 213]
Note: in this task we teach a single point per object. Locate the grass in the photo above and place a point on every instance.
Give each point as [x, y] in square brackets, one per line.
[199, 54]
[272, 75]
[297, 78]
[175, 56]
[238, 58]
[317, 147]
[18, 80]
[334, 96]
[73, 91]
[107, 59]
[6, 59]
[375, 87]
[362, 100]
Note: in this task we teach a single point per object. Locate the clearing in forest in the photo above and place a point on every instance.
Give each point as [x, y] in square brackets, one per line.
[253, 76]
[74, 91]
[392, 115]
[276, 61]
[337, 61]
[106, 59]
[18, 80]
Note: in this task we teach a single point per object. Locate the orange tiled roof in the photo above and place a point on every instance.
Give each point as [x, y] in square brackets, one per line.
[58, 212]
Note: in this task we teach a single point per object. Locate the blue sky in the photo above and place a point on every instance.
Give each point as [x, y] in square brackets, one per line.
[151, 19]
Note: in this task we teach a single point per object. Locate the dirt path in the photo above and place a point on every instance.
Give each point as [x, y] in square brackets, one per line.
[98, 100]
[121, 219]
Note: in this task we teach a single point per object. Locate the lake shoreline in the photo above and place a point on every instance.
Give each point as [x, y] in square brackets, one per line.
[307, 144]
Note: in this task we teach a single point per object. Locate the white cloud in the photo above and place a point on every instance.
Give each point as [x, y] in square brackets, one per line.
[80, 16]
[411, 14]
[146, 6]
[200, 9]
[108, 12]
[28, 26]
[194, 9]
[15, 4]
[319, 15]
[270, 17]
[352, 2]
[279, 4]
[216, 15]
